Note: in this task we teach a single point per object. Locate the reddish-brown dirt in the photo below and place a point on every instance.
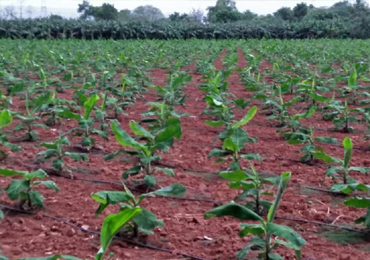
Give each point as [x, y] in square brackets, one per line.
[185, 228]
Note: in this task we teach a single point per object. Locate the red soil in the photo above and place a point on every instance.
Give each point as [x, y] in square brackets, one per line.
[185, 228]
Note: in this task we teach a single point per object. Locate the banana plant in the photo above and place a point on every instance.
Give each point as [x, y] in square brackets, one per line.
[308, 90]
[6, 119]
[251, 185]
[146, 152]
[55, 151]
[341, 115]
[351, 89]
[280, 111]
[29, 119]
[145, 221]
[362, 203]
[342, 171]
[234, 141]
[172, 93]
[158, 114]
[23, 189]
[55, 108]
[310, 142]
[267, 235]
[86, 123]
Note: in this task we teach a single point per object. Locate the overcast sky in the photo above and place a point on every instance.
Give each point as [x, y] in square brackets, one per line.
[69, 7]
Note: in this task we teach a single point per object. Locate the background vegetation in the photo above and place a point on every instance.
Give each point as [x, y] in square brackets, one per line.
[223, 21]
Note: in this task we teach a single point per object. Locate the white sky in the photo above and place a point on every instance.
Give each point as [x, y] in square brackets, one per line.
[68, 8]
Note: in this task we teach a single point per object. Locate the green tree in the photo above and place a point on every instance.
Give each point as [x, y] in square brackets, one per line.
[284, 13]
[223, 12]
[300, 11]
[104, 12]
[178, 17]
[248, 15]
[124, 15]
[196, 15]
[343, 8]
[85, 9]
[147, 12]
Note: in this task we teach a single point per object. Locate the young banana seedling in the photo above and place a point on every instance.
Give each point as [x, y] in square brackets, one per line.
[251, 185]
[143, 222]
[267, 235]
[29, 119]
[310, 142]
[341, 115]
[234, 141]
[342, 171]
[146, 152]
[24, 189]
[56, 152]
[280, 113]
[172, 93]
[362, 203]
[86, 123]
[6, 119]
[158, 115]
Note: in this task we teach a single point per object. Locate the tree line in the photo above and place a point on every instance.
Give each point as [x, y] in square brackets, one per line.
[222, 21]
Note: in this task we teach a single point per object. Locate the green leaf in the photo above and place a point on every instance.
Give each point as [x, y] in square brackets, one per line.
[49, 145]
[248, 117]
[5, 118]
[228, 144]
[111, 155]
[173, 190]
[284, 179]
[321, 155]
[214, 123]
[348, 145]
[111, 225]
[287, 233]
[124, 139]
[218, 153]
[68, 115]
[234, 210]
[147, 220]
[131, 172]
[89, 105]
[49, 184]
[254, 229]
[172, 130]
[10, 172]
[106, 198]
[250, 156]
[237, 175]
[165, 171]
[365, 170]
[78, 156]
[327, 140]
[36, 198]
[255, 242]
[150, 180]
[352, 80]
[319, 98]
[40, 174]
[13, 147]
[275, 256]
[358, 202]
[139, 130]
[307, 114]
[16, 187]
